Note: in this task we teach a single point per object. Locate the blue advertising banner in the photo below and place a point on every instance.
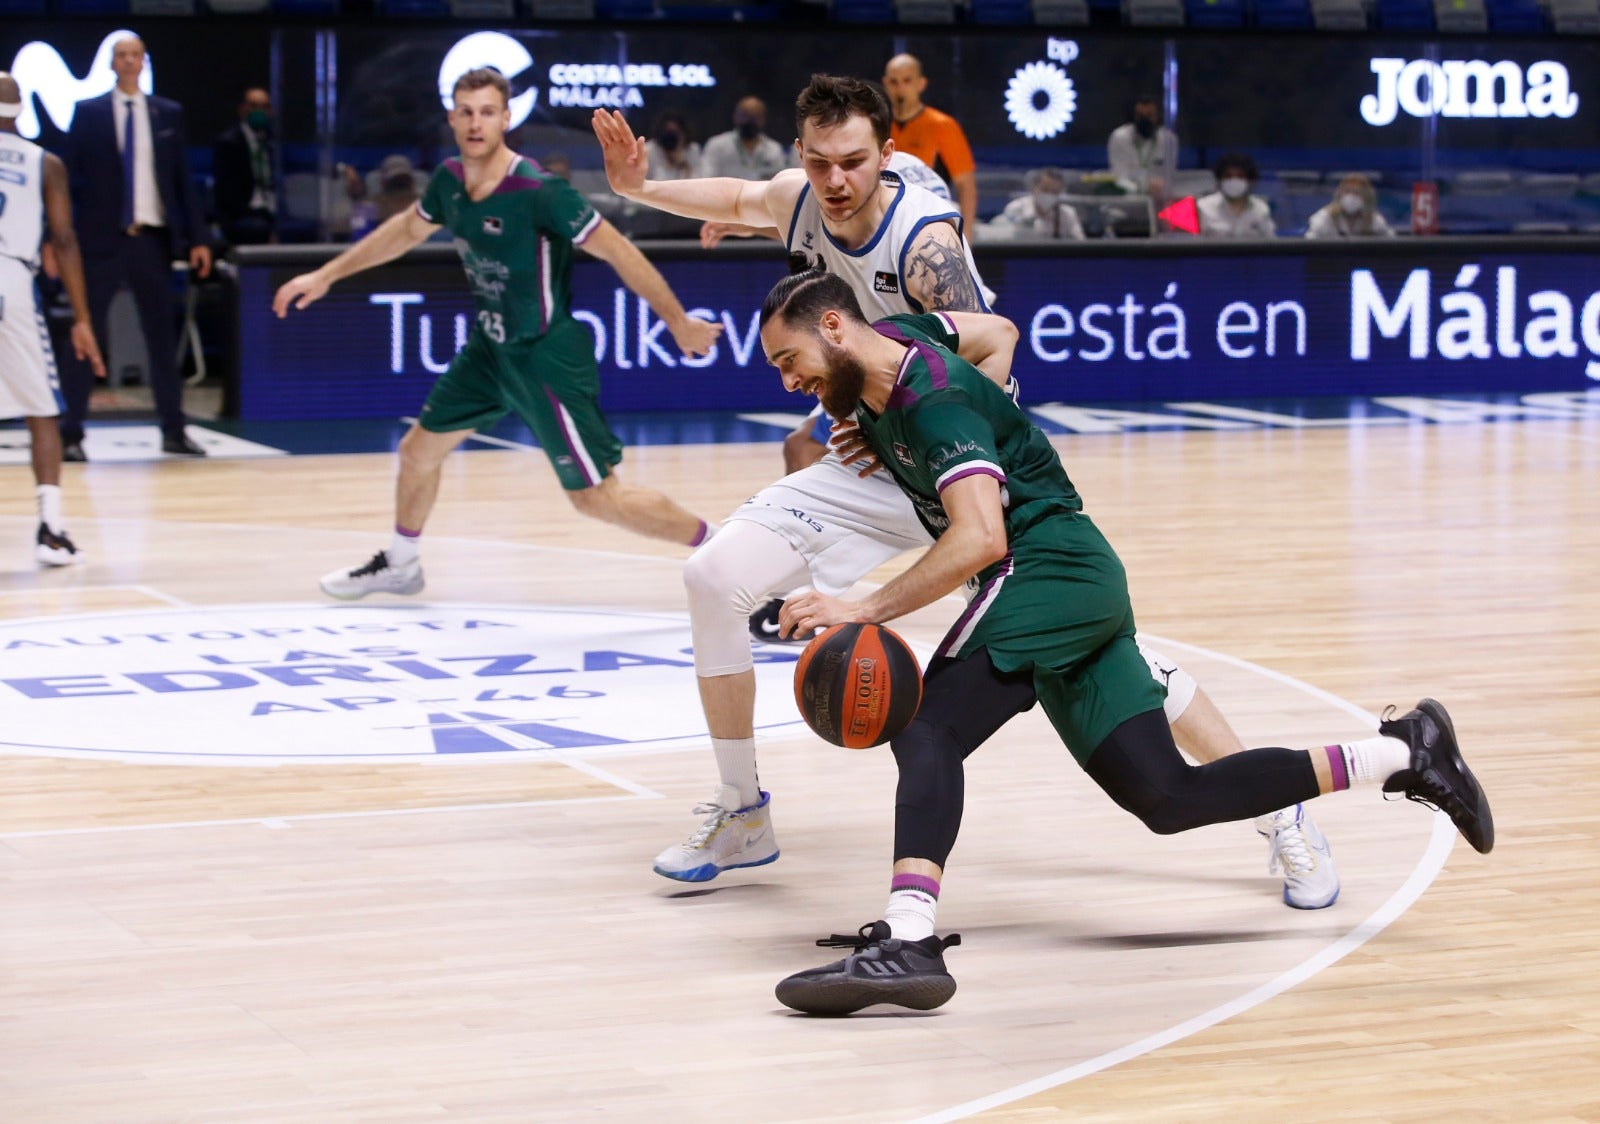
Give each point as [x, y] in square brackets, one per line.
[1136, 324]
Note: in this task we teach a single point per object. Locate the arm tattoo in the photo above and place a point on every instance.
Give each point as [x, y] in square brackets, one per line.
[937, 274]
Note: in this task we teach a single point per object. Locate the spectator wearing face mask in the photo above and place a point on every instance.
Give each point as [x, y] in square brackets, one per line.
[744, 152]
[244, 177]
[1144, 153]
[1232, 211]
[673, 156]
[1352, 214]
[1044, 211]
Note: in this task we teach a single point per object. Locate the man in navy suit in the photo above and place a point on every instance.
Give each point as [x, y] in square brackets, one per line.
[137, 210]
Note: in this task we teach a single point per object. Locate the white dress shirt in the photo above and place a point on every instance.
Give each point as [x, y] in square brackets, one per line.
[1219, 220]
[146, 196]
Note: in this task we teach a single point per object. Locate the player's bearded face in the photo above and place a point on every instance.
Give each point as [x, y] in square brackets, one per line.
[846, 378]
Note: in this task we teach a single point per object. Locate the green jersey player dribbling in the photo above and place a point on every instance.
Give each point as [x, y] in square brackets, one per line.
[517, 230]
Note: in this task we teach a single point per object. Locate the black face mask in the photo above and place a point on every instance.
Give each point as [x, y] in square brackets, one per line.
[749, 130]
[669, 139]
[1145, 127]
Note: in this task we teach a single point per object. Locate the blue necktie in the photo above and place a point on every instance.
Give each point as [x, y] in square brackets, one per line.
[127, 166]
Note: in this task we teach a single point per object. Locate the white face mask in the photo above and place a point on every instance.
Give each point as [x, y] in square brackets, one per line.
[1235, 187]
[1045, 204]
[1351, 203]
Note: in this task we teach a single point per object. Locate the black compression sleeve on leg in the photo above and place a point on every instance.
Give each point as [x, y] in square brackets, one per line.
[1140, 768]
[963, 703]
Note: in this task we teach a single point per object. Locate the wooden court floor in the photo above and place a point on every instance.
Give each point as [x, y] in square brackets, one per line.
[199, 937]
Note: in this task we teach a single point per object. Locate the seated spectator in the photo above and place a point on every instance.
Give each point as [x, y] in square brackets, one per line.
[745, 151]
[671, 152]
[557, 164]
[393, 187]
[1143, 154]
[1044, 211]
[1232, 211]
[1352, 214]
[244, 179]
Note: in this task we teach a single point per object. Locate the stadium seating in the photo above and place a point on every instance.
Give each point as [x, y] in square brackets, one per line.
[1339, 15]
[1283, 14]
[1516, 16]
[925, 11]
[863, 11]
[1214, 13]
[559, 9]
[482, 9]
[1152, 13]
[1460, 16]
[1002, 12]
[1061, 13]
[1575, 17]
[1405, 15]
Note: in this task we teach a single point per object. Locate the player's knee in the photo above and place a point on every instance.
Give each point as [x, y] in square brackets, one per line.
[594, 501]
[928, 756]
[1168, 814]
[714, 583]
[418, 453]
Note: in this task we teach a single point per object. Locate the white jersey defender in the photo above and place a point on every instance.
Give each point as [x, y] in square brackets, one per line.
[28, 387]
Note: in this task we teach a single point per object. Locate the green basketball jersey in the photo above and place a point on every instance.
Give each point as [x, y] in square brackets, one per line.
[516, 244]
[945, 421]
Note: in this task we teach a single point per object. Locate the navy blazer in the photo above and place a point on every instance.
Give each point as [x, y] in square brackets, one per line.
[96, 166]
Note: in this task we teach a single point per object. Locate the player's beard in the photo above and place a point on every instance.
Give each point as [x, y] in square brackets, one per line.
[847, 376]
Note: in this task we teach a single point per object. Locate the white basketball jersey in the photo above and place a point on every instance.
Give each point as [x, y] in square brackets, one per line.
[913, 170]
[876, 272]
[21, 199]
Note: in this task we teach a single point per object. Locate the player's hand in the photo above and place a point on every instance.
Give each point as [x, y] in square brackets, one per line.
[809, 612]
[298, 292]
[626, 162]
[200, 261]
[847, 440]
[714, 232]
[695, 336]
[86, 349]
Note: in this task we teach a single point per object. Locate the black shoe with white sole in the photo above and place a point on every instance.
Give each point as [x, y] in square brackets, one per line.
[881, 969]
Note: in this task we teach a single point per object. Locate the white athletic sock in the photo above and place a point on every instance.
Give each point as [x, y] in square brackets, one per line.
[50, 506]
[913, 902]
[736, 761]
[404, 548]
[1375, 760]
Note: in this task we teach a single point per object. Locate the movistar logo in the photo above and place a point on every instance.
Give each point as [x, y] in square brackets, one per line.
[44, 75]
[496, 49]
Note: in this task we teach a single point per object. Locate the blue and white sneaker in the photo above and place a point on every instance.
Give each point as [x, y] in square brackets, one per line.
[1299, 850]
[731, 837]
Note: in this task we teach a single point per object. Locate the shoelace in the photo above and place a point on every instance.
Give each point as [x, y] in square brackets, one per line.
[719, 816]
[1291, 852]
[378, 564]
[865, 937]
[1436, 797]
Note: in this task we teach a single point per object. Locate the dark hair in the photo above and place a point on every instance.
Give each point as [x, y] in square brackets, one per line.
[803, 297]
[1147, 99]
[832, 99]
[480, 78]
[1240, 161]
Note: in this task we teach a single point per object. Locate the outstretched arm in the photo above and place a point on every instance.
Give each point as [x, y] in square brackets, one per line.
[69, 262]
[394, 237]
[718, 199]
[987, 342]
[693, 336]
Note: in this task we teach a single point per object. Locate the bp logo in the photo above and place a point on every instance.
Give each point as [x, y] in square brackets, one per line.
[253, 684]
[1040, 100]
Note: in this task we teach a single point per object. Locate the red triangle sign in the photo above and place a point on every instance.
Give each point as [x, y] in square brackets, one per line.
[1182, 215]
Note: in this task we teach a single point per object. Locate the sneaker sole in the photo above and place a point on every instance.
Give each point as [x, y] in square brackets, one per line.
[710, 870]
[845, 995]
[56, 558]
[1485, 820]
[1292, 904]
[357, 595]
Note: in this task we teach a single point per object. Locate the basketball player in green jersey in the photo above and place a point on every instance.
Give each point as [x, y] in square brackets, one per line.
[1048, 622]
[516, 229]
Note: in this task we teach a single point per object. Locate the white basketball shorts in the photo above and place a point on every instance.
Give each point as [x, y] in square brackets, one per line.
[28, 385]
[843, 525]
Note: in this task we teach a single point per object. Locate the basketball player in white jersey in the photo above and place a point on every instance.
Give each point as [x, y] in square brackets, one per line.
[34, 198]
[902, 250]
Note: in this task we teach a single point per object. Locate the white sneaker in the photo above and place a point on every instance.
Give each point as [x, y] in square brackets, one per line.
[731, 838]
[1299, 850]
[374, 576]
[55, 548]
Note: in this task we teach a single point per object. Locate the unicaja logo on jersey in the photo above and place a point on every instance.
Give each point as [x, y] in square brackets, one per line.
[42, 73]
[489, 48]
[1040, 99]
[1471, 88]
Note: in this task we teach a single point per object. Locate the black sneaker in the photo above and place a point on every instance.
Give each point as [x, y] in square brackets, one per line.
[54, 548]
[764, 624]
[880, 970]
[1438, 777]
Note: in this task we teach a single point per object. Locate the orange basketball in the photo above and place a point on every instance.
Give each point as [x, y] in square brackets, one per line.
[857, 685]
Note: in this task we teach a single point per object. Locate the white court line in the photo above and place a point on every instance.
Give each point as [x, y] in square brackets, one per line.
[283, 821]
[152, 591]
[1422, 876]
